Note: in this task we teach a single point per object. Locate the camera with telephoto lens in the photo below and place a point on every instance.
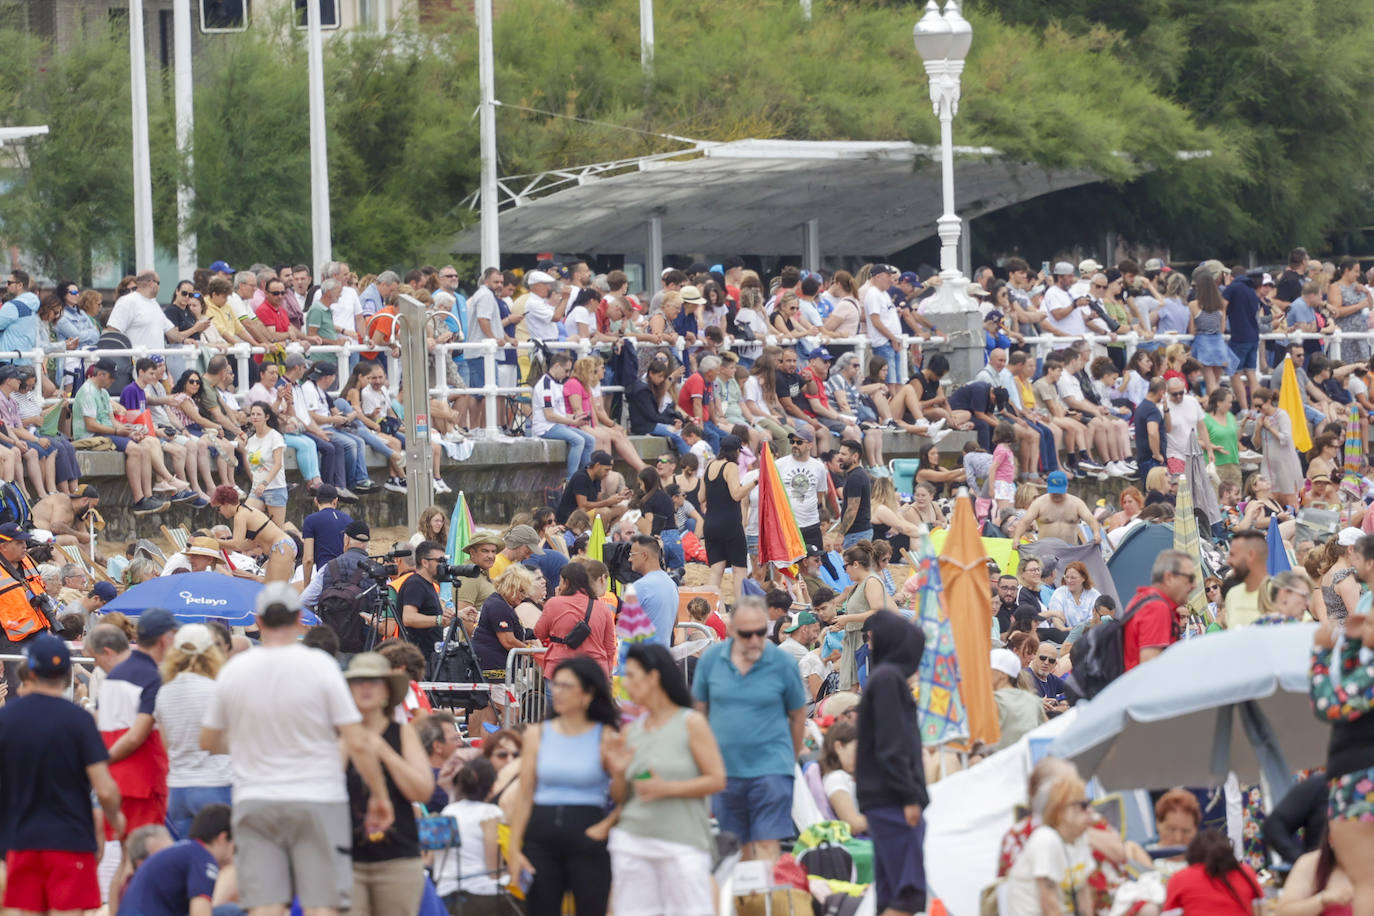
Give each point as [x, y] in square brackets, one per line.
[379, 571]
[49, 608]
[449, 572]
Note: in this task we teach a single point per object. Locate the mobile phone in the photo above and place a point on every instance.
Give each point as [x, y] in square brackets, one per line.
[525, 880]
[1045, 268]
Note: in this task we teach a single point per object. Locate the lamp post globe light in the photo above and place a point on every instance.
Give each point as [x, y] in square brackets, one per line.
[942, 40]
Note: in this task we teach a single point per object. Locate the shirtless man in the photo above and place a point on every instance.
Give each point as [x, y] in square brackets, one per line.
[1057, 514]
[63, 515]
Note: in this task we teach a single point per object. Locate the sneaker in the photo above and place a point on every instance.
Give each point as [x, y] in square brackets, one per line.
[937, 426]
[186, 496]
[239, 491]
[366, 485]
[165, 486]
[149, 504]
[1247, 455]
[1088, 464]
[396, 484]
[457, 435]
[440, 486]
[1100, 475]
[878, 471]
[890, 424]
[941, 436]
[200, 503]
[346, 495]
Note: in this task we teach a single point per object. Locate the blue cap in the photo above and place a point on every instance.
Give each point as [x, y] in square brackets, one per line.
[105, 591]
[821, 352]
[154, 622]
[1058, 482]
[49, 657]
[910, 276]
[12, 532]
[221, 267]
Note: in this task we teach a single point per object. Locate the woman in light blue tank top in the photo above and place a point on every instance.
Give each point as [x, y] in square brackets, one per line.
[559, 827]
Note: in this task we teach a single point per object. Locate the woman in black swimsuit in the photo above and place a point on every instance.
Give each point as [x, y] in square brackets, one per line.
[722, 497]
[253, 527]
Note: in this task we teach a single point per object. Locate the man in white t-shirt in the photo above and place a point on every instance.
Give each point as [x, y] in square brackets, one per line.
[279, 711]
[806, 482]
[543, 309]
[799, 637]
[1185, 415]
[1064, 314]
[883, 321]
[239, 303]
[138, 317]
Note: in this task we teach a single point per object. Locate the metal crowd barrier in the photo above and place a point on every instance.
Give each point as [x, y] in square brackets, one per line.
[76, 660]
[525, 697]
[693, 632]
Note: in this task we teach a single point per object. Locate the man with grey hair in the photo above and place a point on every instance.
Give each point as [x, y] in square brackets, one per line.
[696, 399]
[319, 318]
[348, 306]
[751, 692]
[241, 304]
[378, 292]
[1153, 620]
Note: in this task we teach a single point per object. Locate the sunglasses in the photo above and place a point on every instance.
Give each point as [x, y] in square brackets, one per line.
[752, 634]
[193, 381]
[73, 292]
[1046, 658]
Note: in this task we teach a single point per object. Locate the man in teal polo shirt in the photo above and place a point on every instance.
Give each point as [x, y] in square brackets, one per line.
[752, 693]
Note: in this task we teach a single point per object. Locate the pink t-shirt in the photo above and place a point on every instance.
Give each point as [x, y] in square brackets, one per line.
[572, 386]
[1003, 464]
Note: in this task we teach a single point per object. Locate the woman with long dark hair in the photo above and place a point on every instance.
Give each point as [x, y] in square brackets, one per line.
[722, 494]
[558, 829]
[667, 767]
[1214, 883]
[656, 509]
[1316, 885]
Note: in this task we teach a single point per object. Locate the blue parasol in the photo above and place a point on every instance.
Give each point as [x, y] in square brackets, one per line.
[197, 597]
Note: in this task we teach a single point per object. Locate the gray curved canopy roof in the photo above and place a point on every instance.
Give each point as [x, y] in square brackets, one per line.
[753, 196]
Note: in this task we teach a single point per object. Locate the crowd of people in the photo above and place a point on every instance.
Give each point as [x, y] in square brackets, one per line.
[679, 682]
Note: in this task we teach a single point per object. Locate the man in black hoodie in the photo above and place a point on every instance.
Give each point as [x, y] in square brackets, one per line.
[889, 775]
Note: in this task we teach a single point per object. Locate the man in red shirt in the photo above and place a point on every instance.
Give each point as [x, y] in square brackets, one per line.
[697, 399]
[1154, 625]
[274, 316]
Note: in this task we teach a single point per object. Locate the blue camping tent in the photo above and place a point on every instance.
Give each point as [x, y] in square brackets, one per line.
[1130, 564]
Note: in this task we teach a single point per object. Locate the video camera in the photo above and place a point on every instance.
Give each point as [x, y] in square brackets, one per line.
[377, 567]
[449, 572]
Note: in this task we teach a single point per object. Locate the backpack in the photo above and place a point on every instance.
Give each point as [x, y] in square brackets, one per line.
[339, 604]
[455, 662]
[828, 860]
[14, 507]
[1099, 656]
[841, 905]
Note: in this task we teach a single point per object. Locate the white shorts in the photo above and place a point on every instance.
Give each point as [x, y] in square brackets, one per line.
[1004, 490]
[659, 877]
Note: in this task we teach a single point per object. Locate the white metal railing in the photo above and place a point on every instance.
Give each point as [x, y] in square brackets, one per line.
[490, 352]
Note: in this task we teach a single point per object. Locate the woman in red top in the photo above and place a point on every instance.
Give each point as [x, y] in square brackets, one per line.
[564, 611]
[1214, 883]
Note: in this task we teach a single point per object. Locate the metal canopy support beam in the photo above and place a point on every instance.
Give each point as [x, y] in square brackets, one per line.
[416, 371]
[653, 255]
[490, 226]
[144, 253]
[321, 244]
[966, 248]
[811, 244]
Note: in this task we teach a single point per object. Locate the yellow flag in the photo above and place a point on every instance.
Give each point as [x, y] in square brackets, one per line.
[1290, 402]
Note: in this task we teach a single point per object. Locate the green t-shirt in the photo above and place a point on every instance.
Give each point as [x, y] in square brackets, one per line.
[1224, 437]
[209, 399]
[322, 319]
[91, 401]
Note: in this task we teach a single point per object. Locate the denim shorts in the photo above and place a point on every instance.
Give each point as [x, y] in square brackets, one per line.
[1245, 354]
[274, 497]
[473, 372]
[756, 808]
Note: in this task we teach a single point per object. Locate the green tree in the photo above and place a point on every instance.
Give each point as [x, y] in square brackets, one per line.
[69, 200]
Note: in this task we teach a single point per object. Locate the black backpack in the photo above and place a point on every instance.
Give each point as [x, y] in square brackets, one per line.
[339, 605]
[829, 861]
[1099, 656]
[455, 662]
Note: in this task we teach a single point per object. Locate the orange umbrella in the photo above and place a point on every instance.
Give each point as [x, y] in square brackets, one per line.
[968, 601]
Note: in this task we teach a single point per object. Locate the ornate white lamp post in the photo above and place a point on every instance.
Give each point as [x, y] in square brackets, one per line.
[942, 40]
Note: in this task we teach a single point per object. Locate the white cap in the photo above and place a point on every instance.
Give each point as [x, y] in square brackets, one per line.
[1088, 266]
[1349, 537]
[196, 636]
[537, 276]
[1005, 661]
[279, 593]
